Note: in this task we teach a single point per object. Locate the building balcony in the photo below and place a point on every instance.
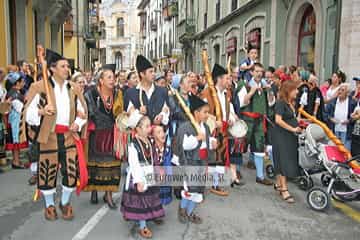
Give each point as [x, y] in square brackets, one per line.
[186, 30]
[90, 40]
[143, 33]
[165, 13]
[117, 42]
[69, 28]
[57, 10]
[153, 25]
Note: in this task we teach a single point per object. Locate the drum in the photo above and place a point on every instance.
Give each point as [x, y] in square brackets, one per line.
[238, 129]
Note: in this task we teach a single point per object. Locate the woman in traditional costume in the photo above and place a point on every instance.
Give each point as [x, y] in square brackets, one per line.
[105, 104]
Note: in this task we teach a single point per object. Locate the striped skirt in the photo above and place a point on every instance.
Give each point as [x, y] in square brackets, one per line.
[141, 205]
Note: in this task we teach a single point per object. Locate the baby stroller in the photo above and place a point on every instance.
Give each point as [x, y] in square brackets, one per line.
[318, 154]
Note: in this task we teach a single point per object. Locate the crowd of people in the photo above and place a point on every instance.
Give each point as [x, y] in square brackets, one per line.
[71, 126]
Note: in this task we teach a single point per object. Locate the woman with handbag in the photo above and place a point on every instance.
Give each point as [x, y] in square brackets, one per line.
[140, 199]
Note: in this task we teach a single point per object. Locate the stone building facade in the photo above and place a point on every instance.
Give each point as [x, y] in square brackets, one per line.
[119, 27]
[316, 34]
[158, 20]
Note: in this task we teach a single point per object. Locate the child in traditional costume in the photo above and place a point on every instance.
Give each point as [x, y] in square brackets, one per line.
[14, 83]
[194, 150]
[163, 160]
[140, 199]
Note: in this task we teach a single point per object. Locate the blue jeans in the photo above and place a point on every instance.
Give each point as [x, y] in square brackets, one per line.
[188, 205]
[343, 138]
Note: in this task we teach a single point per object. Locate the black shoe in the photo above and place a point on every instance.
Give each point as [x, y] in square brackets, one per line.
[177, 193]
[33, 180]
[94, 198]
[110, 204]
[264, 181]
[237, 183]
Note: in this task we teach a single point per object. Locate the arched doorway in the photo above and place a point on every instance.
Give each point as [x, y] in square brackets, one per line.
[301, 12]
[118, 61]
[306, 40]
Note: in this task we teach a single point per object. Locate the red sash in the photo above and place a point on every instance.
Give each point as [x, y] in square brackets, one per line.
[224, 129]
[255, 115]
[83, 178]
[203, 154]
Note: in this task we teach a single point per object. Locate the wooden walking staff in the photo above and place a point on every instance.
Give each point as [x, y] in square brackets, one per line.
[218, 112]
[211, 86]
[228, 66]
[42, 61]
[41, 57]
[331, 136]
[186, 109]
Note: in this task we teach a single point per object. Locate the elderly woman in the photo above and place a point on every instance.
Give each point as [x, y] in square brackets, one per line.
[339, 112]
[315, 99]
[105, 103]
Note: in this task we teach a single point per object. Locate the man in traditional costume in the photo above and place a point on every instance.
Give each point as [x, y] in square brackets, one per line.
[58, 122]
[254, 104]
[228, 117]
[149, 99]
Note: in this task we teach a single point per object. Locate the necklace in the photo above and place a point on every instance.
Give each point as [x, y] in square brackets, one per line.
[147, 152]
[160, 153]
[107, 102]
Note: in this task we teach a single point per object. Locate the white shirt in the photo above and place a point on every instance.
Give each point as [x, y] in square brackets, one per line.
[62, 100]
[149, 93]
[191, 142]
[223, 100]
[243, 92]
[134, 170]
[341, 114]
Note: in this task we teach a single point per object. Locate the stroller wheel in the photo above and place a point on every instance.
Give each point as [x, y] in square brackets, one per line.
[325, 179]
[270, 171]
[305, 183]
[318, 199]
